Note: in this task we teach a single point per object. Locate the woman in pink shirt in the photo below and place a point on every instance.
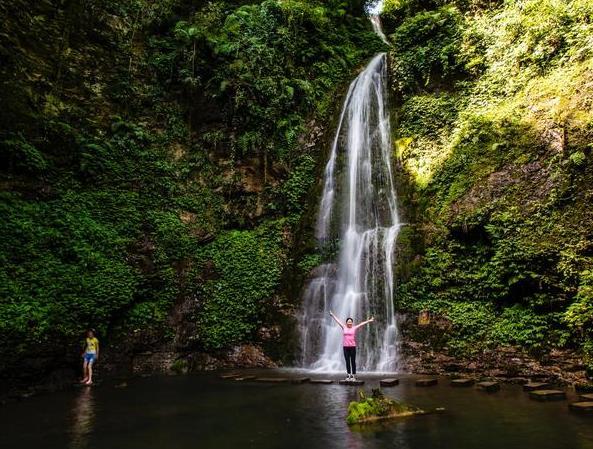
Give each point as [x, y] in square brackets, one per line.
[349, 343]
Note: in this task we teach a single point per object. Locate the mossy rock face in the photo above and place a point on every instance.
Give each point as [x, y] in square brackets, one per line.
[378, 407]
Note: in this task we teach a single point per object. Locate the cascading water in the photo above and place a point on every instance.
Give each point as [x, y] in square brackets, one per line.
[358, 214]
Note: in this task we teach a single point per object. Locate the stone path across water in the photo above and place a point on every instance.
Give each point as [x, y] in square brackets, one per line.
[537, 390]
[547, 395]
[584, 406]
[489, 387]
[462, 382]
[427, 382]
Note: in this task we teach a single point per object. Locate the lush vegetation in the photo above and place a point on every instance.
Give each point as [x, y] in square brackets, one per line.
[152, 159]
[495, 132]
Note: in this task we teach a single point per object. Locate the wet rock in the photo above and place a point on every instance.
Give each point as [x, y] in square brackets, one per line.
[243, 356]
[389, 382]
[489, 387]
[121, 385]
[547, 395]
[351, 382]
[585, 406]
[583, 388]
[587, 397]
[573, 367]
[519, 380]
[426, 382]
[300, 380]
[452, 367]
[229, 376]
[462, 382]
[321, 381]
[532, 386]
[242, 378]
[272, 380]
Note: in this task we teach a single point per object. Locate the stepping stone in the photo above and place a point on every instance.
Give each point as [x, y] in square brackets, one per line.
[273, 380]
[352, 383]
[389, 382]
[229, 376]
[321, 381]
[531, 386]
[547, 395]
[462, 382]
[519, 380]
[587, 397]
[489, 387]
[585, 406]
[426, 382]
[244, 378]
[300, 380]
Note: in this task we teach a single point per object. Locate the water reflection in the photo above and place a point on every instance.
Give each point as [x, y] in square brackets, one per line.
[83, 418]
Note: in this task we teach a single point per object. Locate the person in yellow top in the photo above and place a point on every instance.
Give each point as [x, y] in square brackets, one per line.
[89, 356]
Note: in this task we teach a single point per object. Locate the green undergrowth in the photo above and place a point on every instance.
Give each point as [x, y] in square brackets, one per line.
[152, 157]
[496, 150]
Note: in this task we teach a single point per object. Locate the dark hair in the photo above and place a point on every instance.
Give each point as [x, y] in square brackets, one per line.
[349, 319]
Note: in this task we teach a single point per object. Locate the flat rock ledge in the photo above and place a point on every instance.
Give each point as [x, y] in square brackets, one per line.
[587, 397]
[532, 386]
[242, 378]
[584, 406]
[300, 380]
[462, 382]
[388, 382]
[321, 381]
[489, 387]
[547, 395]
[426, 382]
[352, 383]
[272, 380]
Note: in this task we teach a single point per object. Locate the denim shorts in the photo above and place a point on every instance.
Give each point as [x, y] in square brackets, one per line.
[89, 357]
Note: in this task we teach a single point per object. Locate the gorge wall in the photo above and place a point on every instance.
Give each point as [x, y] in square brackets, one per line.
[494, 137]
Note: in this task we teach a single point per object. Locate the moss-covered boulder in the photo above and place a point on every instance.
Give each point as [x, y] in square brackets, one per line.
[377, 407]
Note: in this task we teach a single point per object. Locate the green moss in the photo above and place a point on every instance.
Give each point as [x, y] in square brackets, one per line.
[375, 407]
[246, 268]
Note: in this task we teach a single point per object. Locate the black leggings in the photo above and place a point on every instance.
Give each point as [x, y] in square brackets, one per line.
[350, 356]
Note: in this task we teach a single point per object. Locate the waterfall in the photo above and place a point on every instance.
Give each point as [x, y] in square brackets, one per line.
[357, 227]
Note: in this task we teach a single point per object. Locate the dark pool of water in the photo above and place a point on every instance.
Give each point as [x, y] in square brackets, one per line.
[205, 412]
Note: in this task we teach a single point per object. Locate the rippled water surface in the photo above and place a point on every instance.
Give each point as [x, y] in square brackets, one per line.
[205, 412]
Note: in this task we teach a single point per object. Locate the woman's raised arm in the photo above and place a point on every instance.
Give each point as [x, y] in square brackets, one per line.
[370, 320]
[336, 319]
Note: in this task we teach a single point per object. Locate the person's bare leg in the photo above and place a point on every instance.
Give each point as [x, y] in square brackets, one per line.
[85, 373]
[89, 381]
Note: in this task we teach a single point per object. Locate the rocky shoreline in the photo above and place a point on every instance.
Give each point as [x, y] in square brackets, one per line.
[422, 354]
